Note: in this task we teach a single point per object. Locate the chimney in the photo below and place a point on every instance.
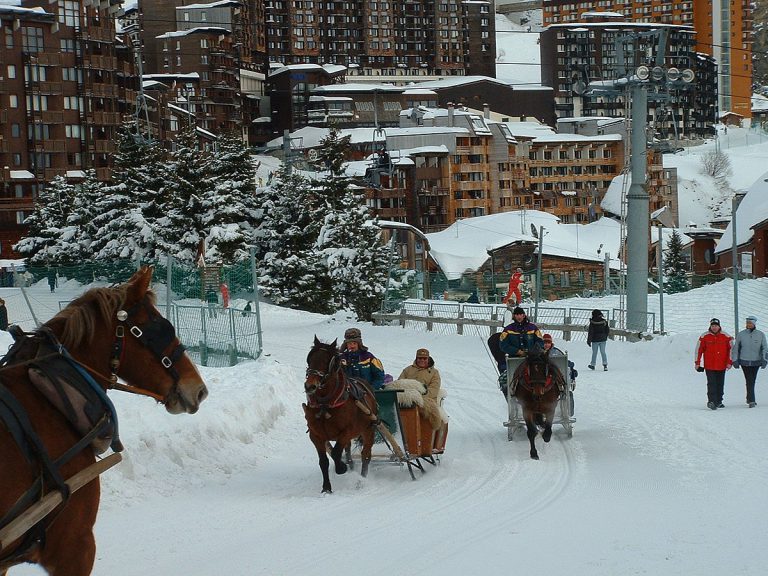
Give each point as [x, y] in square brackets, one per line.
[450, 114]
[486, 111]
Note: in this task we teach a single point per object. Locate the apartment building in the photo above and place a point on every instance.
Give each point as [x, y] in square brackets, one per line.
[402, 40]
[604, 47]
[723, 31]
[64, 90]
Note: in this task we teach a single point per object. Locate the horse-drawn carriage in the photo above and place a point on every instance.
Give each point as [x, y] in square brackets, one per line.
[395, 425]
[564, 410]
[415, 428]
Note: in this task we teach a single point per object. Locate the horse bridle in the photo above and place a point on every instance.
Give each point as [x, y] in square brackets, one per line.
[156, 334]
[333, 367]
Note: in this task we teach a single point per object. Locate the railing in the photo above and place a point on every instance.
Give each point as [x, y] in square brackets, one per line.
[484, 320]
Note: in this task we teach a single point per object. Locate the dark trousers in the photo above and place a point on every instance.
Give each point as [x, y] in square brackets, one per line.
[750, 375]
[715, 385]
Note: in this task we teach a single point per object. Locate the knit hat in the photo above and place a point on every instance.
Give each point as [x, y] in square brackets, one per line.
[518, 310]
[714, 321]
[547, 338]
[353, 335]
[752, 319]
[422, 353]
[597, 313]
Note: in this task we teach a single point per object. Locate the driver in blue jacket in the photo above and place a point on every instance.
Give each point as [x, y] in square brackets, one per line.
[520, 336]
[358, 362]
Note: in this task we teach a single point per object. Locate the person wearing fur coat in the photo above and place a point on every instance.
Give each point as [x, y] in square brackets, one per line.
[423, 369]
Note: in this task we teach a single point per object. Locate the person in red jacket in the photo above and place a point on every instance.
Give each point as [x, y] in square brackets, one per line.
[514, 287]
[714, 348]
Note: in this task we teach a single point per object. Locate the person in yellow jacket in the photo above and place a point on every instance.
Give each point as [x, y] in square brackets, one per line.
[423, 369]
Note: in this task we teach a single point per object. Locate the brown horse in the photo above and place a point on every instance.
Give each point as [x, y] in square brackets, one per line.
[538, 386]
[109, 333]
[338, 409]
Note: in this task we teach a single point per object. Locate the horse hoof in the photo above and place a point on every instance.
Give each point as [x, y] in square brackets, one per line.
[534, 456]
[327, 491]
[547, 436]
[341, 468]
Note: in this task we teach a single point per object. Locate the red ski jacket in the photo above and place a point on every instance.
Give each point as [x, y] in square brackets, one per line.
[715, 349]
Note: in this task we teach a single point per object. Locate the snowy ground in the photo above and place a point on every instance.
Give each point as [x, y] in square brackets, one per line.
[652, 482]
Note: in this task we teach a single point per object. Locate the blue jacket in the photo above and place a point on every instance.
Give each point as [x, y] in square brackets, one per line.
[363, 364]
[520, 337]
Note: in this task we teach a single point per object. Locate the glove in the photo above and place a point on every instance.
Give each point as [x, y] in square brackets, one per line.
[520, 353]
[735, 364]
[699, 368]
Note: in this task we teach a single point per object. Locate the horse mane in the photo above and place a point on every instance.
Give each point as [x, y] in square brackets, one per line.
[79, 319]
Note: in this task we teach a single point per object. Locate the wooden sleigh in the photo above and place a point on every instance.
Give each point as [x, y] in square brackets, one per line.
[406, 436]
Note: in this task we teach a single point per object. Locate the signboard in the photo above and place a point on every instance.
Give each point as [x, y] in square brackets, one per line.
[746, 263]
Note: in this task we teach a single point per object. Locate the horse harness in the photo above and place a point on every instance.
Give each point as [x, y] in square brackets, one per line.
[522, 377]
[69, 385]
[346, 388]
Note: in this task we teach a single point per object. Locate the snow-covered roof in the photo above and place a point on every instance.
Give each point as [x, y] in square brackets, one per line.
[179, 76]
[357, 87]
[452, 81]
[75, 174]
[21, 175]
[597, 13]
[419, 92]
[179, 109]
[312, 135]
[759, 103]
[464, 246]
[555, 137]
[580, 25]
[329, 68]
[528, 129]
[198, 30]
[752, 210]
[218, 4]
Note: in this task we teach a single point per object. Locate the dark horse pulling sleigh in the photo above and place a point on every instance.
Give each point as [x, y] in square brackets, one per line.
[340, 410]
[538, 394]
[55, 417]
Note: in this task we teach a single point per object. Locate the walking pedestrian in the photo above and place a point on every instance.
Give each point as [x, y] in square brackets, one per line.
[749, 353]
[597, 336]
[713, 350]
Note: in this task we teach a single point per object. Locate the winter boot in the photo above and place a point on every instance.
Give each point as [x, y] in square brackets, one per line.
[711, 406]
[591, 367]
[605, 367]
[752, 404]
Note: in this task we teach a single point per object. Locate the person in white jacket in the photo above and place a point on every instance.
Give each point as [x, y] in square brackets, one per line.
[750, 352]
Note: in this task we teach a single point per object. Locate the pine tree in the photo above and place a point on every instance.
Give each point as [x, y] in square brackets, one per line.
[46, 223]
[127, 211]
[675, 274]
[292, 273]
[229, 218]
[74, 242]
[179, 229]
[350, 241]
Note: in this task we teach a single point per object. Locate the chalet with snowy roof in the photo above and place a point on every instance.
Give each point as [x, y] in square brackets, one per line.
[514, 102]
[751, 232]
[488, 249]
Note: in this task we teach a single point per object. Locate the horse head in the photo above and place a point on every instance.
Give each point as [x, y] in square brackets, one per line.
[322, 363]
[538, 374]
[143, 349]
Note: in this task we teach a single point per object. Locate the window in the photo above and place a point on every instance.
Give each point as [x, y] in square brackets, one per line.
[32, 39]
[8, 33]
[69, 13]
[15, 130]
[13, 101]
[11, 71]
[73, 131]
[17, 159]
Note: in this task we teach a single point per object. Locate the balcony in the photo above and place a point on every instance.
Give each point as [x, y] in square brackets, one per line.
[101, 62]
[48, 59]
[104, 146]
[51, 87]
[102, 90]
[52, 117]
[107, 118]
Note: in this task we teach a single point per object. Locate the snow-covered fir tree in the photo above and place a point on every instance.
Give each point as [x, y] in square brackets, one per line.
[229, 215]
[675, 274]
[179, 229]
[46, 223]
[350, 239]
[74, 242]
[291, 272]
[129, 206]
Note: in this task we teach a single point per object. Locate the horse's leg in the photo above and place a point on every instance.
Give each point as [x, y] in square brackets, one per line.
[348, 456]
[368, 436]
[336, 453]
[322, 457]
[547, 434]
[70, 547]
[532, 430]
